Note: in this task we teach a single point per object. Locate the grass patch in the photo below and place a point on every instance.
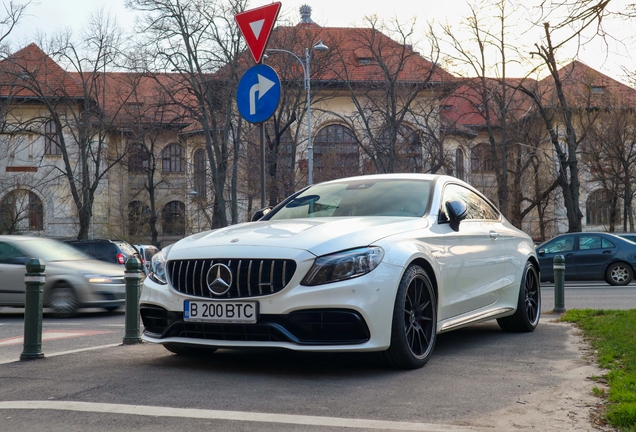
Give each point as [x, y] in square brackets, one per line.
[612, 333]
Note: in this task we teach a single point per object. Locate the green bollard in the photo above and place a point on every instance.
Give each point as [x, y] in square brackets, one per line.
[133, 279]
[559, 284]
[34, 281]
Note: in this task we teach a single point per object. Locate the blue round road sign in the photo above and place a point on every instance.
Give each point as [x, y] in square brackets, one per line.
[258, 93]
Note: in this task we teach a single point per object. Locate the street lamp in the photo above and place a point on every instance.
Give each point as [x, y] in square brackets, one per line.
[194, 194]
[306, 65]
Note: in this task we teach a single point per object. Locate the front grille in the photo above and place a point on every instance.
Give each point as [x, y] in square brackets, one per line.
[250, 277]
[304, 327]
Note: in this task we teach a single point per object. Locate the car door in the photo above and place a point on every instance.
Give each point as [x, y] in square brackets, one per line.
[564, 245]
[12, 271]
[474, 260]
[593, 256]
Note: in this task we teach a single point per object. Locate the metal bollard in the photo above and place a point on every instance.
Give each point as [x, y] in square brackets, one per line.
[559, 283]
[133, 279]
[34, 281]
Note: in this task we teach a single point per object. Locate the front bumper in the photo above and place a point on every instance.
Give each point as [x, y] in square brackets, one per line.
[352, 315]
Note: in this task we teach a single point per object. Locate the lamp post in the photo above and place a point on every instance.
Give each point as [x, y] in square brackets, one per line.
[306, 65]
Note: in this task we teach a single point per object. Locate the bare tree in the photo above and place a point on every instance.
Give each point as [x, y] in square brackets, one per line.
[12, 14]
[609, 154]
[392, 94]
[73, 124]
[200, 41]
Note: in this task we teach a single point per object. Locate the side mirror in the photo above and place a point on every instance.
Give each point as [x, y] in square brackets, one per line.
[457, 212]
[541, 252]
[260, 213]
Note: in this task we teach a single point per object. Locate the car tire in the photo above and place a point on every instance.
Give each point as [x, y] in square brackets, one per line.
[414, 322]
[63, 300]
[526, 317]
[619, 273]
[189, 350]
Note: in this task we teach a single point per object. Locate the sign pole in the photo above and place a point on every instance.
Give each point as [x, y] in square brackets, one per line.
[261, 127]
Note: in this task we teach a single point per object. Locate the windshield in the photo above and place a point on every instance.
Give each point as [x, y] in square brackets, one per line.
[394, 197]
[52, 250]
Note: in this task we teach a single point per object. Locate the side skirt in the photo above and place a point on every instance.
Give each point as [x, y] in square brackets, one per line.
[474, 317]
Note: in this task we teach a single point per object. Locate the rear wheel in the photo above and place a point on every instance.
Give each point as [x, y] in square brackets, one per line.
[63, 300]
[189, 350]
[414, 325]
[619, 273]
[526, 317]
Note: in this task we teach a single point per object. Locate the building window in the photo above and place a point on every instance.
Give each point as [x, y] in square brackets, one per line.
[408, 149]
[481, 158]
[172, 159]
[336, 153]
[200, 171]
[602, 209]
[21, 210]
[51, 146]
[460, 171]
[138, 218]
[138, 158]
[174, 218]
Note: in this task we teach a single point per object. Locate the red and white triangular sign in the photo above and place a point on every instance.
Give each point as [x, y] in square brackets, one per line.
[256, 26]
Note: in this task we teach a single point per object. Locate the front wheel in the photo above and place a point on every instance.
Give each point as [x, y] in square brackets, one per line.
[526, 317]
[414, 323]
[619, 273]
[63, 301]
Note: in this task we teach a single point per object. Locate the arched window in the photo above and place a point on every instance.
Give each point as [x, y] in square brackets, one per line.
[336, 153]
[172, 158]
[602, 209]
[174, 218]
[138, 158]
[200, 171]
[51, 146]
[460, 171]
[481, 158]
[138, 218]
[21, 210]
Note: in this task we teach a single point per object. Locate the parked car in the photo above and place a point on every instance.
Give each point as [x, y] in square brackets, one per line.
[146, 252]
[631, 236]
[112, 251]
[370, 263]
[593, 256]
[73, 279]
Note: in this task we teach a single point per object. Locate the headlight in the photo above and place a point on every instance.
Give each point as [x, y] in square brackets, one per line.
[92, 278]
[158, 271]
[343, 265]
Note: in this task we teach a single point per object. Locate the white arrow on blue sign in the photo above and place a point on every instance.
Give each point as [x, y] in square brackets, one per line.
[258, 93]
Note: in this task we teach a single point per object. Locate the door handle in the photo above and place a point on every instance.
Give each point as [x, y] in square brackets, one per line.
[494, 235]
[607, 252]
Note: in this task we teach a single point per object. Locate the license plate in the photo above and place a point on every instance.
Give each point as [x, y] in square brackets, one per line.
[220, 312]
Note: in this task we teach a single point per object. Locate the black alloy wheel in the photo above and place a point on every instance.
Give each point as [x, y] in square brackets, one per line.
[414, 326]
[526, 317]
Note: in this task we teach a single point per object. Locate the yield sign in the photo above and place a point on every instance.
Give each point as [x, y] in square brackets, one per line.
[256, 26]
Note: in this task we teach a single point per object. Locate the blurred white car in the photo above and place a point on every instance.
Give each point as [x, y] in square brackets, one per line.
[73, 279]
[371, 263]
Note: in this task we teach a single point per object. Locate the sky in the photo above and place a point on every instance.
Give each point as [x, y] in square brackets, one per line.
[48, 16]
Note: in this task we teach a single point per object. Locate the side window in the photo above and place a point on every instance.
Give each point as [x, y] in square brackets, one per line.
[607, 244]
[478, 207]
[587, 242]
[9, 252]
[565, 244]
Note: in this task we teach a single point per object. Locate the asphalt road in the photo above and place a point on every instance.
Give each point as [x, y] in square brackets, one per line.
[477, 375]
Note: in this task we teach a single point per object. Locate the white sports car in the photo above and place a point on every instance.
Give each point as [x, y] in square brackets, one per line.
[370, 263]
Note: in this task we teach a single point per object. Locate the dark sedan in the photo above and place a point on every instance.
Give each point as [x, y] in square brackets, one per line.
[590, 256]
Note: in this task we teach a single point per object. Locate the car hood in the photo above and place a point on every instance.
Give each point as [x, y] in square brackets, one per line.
[318, 235]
